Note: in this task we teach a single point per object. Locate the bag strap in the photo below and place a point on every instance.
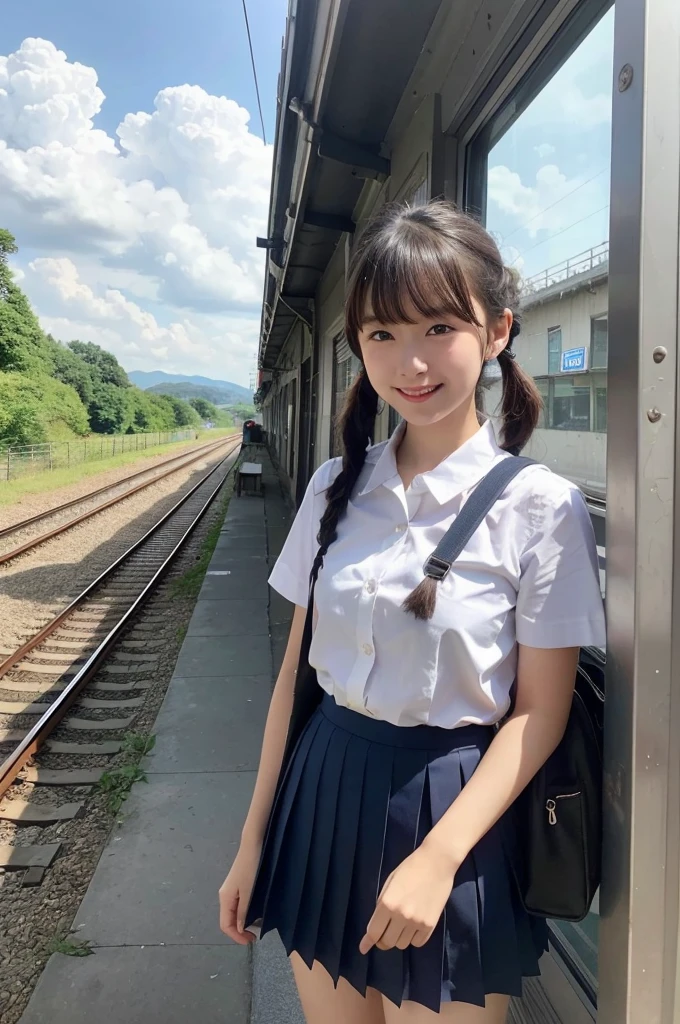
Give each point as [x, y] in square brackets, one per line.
[472, 515]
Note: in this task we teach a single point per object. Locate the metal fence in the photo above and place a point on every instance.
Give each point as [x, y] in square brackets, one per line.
[582, 264]
[18, 460]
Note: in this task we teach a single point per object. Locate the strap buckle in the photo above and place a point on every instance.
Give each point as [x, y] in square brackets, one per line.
[436, 568]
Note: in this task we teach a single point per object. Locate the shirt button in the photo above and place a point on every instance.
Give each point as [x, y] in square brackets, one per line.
[400, 528]
[370, 586]
[367, 649]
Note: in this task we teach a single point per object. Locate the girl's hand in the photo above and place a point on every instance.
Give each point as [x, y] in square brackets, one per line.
[411, 902]
[235, 893]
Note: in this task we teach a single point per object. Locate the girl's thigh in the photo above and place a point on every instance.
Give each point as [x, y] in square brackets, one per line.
[322, 1003]
[495, 1012]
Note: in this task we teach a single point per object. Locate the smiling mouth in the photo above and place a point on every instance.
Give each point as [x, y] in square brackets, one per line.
[419, 394]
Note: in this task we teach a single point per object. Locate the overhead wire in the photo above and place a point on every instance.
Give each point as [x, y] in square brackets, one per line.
[252, 61]
[556, 234]
[556, 203]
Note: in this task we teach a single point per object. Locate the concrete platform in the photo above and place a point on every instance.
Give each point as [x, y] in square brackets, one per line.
[151, 911]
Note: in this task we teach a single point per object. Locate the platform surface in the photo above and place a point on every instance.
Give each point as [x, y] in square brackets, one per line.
[151, 910]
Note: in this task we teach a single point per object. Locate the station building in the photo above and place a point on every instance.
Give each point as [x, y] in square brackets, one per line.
[385, 100]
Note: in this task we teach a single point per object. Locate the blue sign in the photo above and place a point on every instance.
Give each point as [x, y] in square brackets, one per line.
[574, 360]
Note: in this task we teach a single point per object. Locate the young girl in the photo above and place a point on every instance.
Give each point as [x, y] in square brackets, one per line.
[382, 864]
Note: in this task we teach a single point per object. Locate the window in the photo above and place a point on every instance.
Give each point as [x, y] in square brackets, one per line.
[599, 342]
[543, 385]
[570, 404]
[538, 173]
[576, 402]
[420, 195]
[554, 349]
[345, 368]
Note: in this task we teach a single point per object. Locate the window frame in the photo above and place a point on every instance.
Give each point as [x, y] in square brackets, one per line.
[552, 333]
[593, 320]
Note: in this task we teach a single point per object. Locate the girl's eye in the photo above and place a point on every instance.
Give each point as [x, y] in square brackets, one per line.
[380, 336]
[440, 329]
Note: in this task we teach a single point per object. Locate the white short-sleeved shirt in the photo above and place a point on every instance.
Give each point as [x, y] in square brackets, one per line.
[529, 575]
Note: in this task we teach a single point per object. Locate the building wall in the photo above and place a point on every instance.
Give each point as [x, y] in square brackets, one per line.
[573, 313]
[579, 455]
[426, 161]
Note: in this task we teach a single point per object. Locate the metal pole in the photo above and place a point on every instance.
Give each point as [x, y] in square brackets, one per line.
[640, 899]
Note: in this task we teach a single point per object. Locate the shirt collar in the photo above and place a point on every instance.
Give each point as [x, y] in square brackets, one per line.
[461, 470]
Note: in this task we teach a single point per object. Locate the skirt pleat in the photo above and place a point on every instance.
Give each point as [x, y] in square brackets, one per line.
[358, 798]
[367, 857]
[336, 899]
[386, 968]
[304, 937]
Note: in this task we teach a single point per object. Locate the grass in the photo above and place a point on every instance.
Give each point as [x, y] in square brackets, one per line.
[117, 783]
[13, 491]
[189, 584]
[70, 947]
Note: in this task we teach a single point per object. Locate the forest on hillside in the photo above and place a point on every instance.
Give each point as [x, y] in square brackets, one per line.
[51, 391]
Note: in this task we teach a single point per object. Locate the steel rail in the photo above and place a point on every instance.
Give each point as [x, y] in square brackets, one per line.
[24, 523]
[49, 720]
[35, 542]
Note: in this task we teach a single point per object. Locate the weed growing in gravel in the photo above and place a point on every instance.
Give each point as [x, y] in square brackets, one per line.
[70, 947]
[138, 744]
[189, 584]
[117, 783]
[181, 633]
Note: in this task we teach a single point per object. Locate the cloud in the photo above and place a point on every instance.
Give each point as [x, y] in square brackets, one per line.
[544, 150]
[213, 345]
[541, 205]
[165, 214]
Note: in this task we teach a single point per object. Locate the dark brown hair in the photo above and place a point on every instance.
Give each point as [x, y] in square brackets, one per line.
[434, 258]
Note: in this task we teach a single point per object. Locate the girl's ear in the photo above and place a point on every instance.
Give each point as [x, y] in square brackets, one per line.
[498, 335]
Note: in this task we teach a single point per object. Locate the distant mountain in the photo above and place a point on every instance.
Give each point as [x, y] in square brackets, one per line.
[147, 379]
[218, 396]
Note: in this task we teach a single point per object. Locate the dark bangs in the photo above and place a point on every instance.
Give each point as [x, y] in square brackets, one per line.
[408, 264]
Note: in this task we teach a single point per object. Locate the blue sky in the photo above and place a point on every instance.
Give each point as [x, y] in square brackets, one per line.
[139, 47]
[549, 174]
[135, 178]
[134, 175]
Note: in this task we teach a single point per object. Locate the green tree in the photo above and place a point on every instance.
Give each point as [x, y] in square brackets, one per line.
[23, 345]
[206, 410]
[33, 408]
[184, 415]
[105, 366]
[71, 369]
[109, 409]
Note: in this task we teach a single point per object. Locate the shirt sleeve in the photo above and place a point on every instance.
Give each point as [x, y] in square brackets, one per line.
[290, 575]
[559, 603]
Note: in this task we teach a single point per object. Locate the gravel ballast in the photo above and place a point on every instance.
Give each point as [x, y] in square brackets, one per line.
[34, 919]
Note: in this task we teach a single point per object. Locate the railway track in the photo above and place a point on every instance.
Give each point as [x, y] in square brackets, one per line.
[168, 467]
[87, 647]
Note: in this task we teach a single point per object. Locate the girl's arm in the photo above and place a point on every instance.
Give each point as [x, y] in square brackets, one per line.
[275, 734]
[545, 686]
[413, 897]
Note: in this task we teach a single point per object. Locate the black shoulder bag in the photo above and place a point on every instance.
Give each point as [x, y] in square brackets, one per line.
[558, 817]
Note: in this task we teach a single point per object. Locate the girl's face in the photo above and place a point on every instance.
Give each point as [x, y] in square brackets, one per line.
[428, 370]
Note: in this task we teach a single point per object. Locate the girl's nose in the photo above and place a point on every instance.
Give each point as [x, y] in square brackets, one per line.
[412, 362]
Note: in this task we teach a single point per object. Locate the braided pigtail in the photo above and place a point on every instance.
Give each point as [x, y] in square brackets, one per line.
[422, 601]
[357, 424]
[522, 403]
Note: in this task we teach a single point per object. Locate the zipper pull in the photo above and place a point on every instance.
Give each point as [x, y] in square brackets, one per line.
[551, 807]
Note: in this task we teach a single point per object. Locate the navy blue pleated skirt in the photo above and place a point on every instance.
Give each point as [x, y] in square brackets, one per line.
[359, 795]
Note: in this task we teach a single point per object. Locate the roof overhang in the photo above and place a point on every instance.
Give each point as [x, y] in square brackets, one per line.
[346, 64]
